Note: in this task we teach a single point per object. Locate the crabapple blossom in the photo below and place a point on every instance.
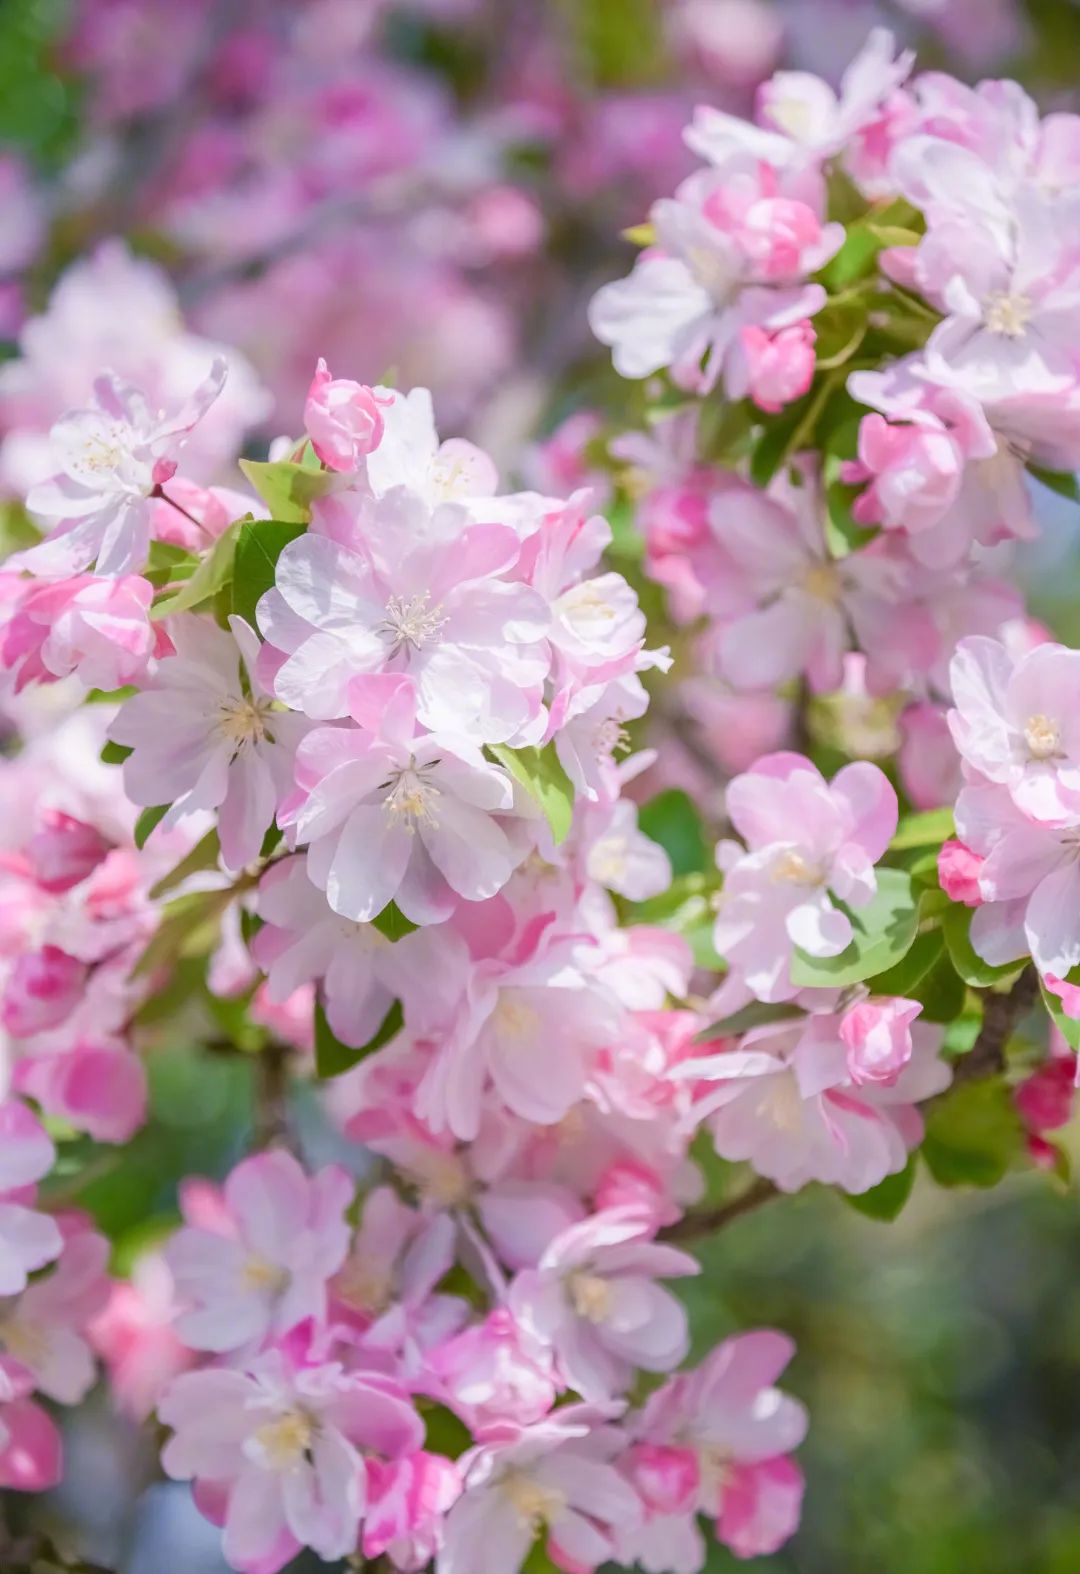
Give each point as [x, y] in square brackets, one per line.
[112, 456]
[282, 1238]
[97, 628]
[592, 1298]
[28, 1239]
[806, 840]
[343, 419]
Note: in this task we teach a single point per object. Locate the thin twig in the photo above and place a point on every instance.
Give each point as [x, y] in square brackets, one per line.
[1001, 1013]
[695, 1226]
[270, 1123]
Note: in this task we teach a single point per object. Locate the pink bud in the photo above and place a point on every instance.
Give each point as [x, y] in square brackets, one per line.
[44, 988]
[343, 419]
[666, 1479]
[958, 872]
[916, 473]
[64, 851]
[877, 1036]
[101, 1091]
[1045, 1099]
[779, 366]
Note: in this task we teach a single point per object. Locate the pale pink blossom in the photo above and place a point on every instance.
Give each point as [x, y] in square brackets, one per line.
[820, 120]
[44, 1330]
[203, 739]
[806, 841]
[877, 1036]
[495, 1372]
[928, 761]
[28, 1240]
[277, 1450]
[408, 1500]
[785, 1099]
[593, 1298]
[135, 1338]
[413, 593]
[777, 367]
[1015, 722]
[343, 419]
[393, 815]
[716, 1441]
[99, 1088]
[64, 851]
[42, 990]
[111, 457]
[284, 1237]
[303, 939]
[97, 628]
[552, 1481]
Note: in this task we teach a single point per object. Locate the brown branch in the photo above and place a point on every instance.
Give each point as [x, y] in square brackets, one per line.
[1001, 1014]
[270, 1122]
[695, 1226]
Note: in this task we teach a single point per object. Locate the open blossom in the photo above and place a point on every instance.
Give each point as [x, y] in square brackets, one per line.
[44, 1330]
[343, 419]
[552, 1480]
[282, 1237]
[716, 1441]
[204, 738]
[112, 457]
[735, 250]
[877, 1036]
[96, 627]
[778, 367]
[407, 1505]
[28, 1240]
[788, 1098]
[414, 593]
[806, 841]
[1015, 722]
[495, 1372]
[395, 815]
[818, 119]
[593, 1299]
[303, 939]
[276, 1448]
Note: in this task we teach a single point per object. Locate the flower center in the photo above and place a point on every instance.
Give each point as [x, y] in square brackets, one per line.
[285, 1440]
[610, 737]
[785, 1103]
[24, 1341]
[535, 1504]
[590, 1296]
[791, 868]
[412, 796]
[366, 1285]
[514, 1018]
[714, 1465]
[1043, 737]
[243, 721]
[1007, 314]
[410, 622]
[823, 583]
[264, 1278]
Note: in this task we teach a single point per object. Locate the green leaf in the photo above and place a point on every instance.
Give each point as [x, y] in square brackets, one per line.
[896, 224]
[332, 1057]
[672, 820]
[840, 327]
[538, 1561]
[148, 819]
[214, 572]
[843, 534]
[1064, 482]
[288, 489]
[884, 931]
[973, 1134]
[392, 922]
[166, 564]
[259, 544]
[909, 972]
[942, 992]
[114, 753]
[886, 1200]
[778, 440]
[928, 829]
[204, 855]
[541, 774]
[757, 1014]
[956, 926]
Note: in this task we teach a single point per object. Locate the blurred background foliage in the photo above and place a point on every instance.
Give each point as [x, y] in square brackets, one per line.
[939, 1355]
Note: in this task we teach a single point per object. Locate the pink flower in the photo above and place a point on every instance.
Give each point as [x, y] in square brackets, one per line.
[391, 815]
[716, 1441]
[343, 419]
[1045, 1098]
[408, 1501]
[877, 1036]
[202, 738]
[1015, 722]
[287, 1236]
[593, 1299]
[278, 1449]
[779, 367]
[135, 1338]
[915, 471]
[805, 839]
[929, 764]
[785, 1099]
[303, 939]
[494, 1372]
[97, 628]
[28, 1240]
[406, 592]
[64, 852]
[551, 1480]
[42, 991]
[31, 1451]
[97, 1088]
[958, 873]
[111, 456]
[817, 118]
[44, 1330]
